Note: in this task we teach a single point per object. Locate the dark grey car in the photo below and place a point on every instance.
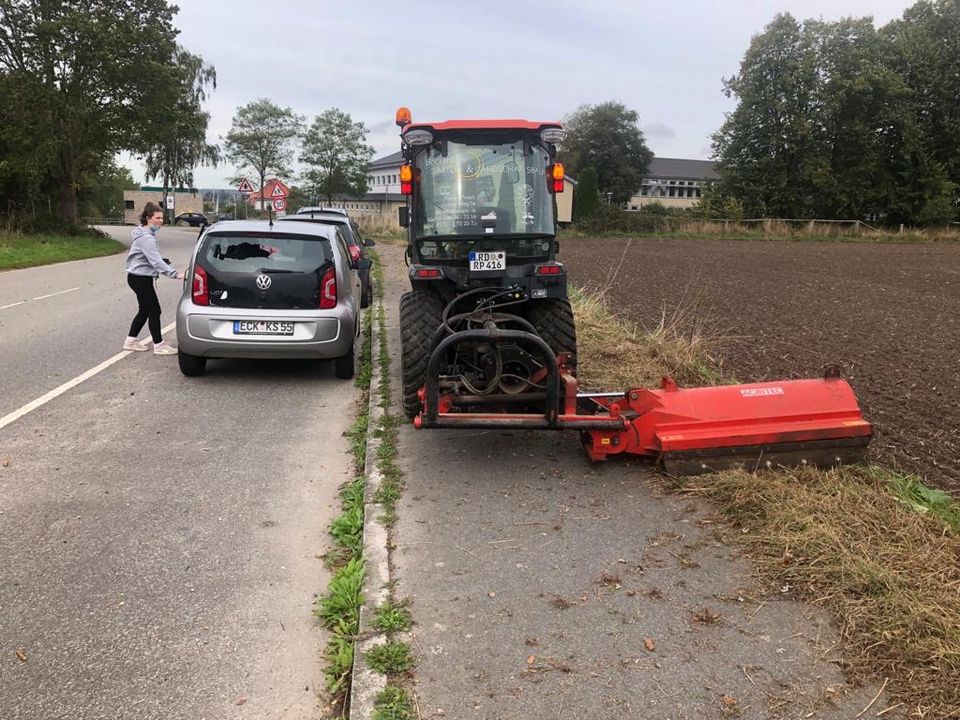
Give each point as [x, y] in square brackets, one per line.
[356, 243]
[261, 290]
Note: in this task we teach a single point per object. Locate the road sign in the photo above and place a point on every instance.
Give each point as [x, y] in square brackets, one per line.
[279, 204]
[245, 186]
[278, 191]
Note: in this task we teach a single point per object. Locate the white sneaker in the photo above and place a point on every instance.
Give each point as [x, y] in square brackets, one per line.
[135, 345]
[164, 349]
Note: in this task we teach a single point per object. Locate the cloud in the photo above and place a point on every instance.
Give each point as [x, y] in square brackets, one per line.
[659, 130]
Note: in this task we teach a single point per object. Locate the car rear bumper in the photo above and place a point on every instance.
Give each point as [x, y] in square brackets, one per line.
[209, 332]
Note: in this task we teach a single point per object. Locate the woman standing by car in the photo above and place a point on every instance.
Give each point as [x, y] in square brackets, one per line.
[144, 265]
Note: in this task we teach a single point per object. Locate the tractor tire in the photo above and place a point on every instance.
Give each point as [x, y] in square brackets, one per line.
[553, 319]
[420, 316]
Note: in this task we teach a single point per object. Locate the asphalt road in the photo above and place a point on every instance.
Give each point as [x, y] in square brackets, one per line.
[544, 586]
[159, 535]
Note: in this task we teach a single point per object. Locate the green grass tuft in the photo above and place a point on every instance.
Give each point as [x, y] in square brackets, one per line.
[391, 658]
[393, 703]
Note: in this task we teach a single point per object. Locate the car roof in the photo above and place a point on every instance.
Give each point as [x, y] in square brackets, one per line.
[265, 228]
[327, 218]
[319, 209]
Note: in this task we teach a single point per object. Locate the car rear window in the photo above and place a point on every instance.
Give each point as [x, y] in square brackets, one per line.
[252, 253]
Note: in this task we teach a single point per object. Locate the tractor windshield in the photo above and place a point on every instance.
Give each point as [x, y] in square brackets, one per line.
[483, 189]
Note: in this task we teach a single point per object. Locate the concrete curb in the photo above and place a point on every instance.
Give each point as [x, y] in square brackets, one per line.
[366, 683]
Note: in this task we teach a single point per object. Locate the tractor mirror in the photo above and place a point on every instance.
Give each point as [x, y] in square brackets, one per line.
[404, 214]
[511, 172]
[556, 247]
[367, 242]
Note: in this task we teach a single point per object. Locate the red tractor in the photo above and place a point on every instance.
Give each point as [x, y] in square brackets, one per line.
[488, 337]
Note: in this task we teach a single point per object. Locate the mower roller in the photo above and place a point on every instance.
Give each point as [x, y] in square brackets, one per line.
[488, 337]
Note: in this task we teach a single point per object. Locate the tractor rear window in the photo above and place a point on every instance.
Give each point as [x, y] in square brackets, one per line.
[484, 189]
[255, 254]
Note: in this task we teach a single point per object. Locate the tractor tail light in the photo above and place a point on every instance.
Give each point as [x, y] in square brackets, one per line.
[557, 175]
[406, 179]
[328, 290]
[201, 288]
[424, 273]
[549, 269]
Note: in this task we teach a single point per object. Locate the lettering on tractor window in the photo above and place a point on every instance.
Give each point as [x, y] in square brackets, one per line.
[484, 189]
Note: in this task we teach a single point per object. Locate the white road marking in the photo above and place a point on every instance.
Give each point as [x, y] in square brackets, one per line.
[62, 292]
[42, 297]
[58, 391]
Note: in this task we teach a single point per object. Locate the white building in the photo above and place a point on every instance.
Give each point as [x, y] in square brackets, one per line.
[674, 182]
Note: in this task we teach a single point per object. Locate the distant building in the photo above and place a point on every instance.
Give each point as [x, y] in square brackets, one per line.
[383, 179]
[674, 182]
[184, 200]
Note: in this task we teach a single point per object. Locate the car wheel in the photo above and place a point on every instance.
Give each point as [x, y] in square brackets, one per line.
[191, 365]
[344, 365]
[366, 294]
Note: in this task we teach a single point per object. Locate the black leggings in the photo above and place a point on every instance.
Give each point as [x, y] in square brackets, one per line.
[149, 306]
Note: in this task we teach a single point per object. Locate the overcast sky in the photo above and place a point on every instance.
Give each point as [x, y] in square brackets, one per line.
[447, 59]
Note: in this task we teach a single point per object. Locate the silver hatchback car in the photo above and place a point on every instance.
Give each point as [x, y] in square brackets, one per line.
[270, 290]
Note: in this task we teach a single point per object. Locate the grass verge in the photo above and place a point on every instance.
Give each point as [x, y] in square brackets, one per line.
[24, 250]
[393, 658]
[693, 229]
[878, 549]
[339, 607]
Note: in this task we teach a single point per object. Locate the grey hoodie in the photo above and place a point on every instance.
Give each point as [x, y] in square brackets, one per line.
[144, 257]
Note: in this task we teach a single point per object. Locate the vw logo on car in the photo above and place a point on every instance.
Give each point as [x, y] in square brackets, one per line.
[264, 282]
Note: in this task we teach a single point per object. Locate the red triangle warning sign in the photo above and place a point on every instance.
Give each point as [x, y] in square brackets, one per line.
[245, 186]
[278, 191]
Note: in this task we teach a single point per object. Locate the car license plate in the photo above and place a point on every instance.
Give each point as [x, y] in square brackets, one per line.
[262, 327]
[486, 261]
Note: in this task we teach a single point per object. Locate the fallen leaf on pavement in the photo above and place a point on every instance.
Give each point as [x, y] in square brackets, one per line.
[22, 654]
[531, 659]
[491, 594]
[241, 701]
[649, 644]
[728, 700]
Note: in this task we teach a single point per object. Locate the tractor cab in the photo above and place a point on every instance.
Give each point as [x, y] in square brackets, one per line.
[480, 204]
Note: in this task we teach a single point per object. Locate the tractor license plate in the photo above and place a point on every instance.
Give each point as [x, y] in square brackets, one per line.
[262, 327]
[487, 261]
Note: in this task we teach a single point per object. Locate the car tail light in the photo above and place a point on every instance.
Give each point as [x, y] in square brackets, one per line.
[354, 252]
[201, 288]
[328, 290]
[549, 269]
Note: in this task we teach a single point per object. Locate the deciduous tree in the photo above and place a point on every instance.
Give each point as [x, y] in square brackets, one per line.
[607, 137]
[336, 155]
[261, 140]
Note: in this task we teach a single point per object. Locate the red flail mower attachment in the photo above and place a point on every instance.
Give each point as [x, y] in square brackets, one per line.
[687, 431]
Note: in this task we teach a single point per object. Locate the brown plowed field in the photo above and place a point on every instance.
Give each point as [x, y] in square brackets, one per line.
[888, 314]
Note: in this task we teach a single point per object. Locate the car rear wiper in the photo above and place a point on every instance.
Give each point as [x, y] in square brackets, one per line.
[277, 271]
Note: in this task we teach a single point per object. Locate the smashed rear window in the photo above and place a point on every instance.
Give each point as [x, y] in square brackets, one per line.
[258, 254]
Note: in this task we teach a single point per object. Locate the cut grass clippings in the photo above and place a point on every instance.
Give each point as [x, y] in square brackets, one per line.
[878, 549]
[27, 250]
